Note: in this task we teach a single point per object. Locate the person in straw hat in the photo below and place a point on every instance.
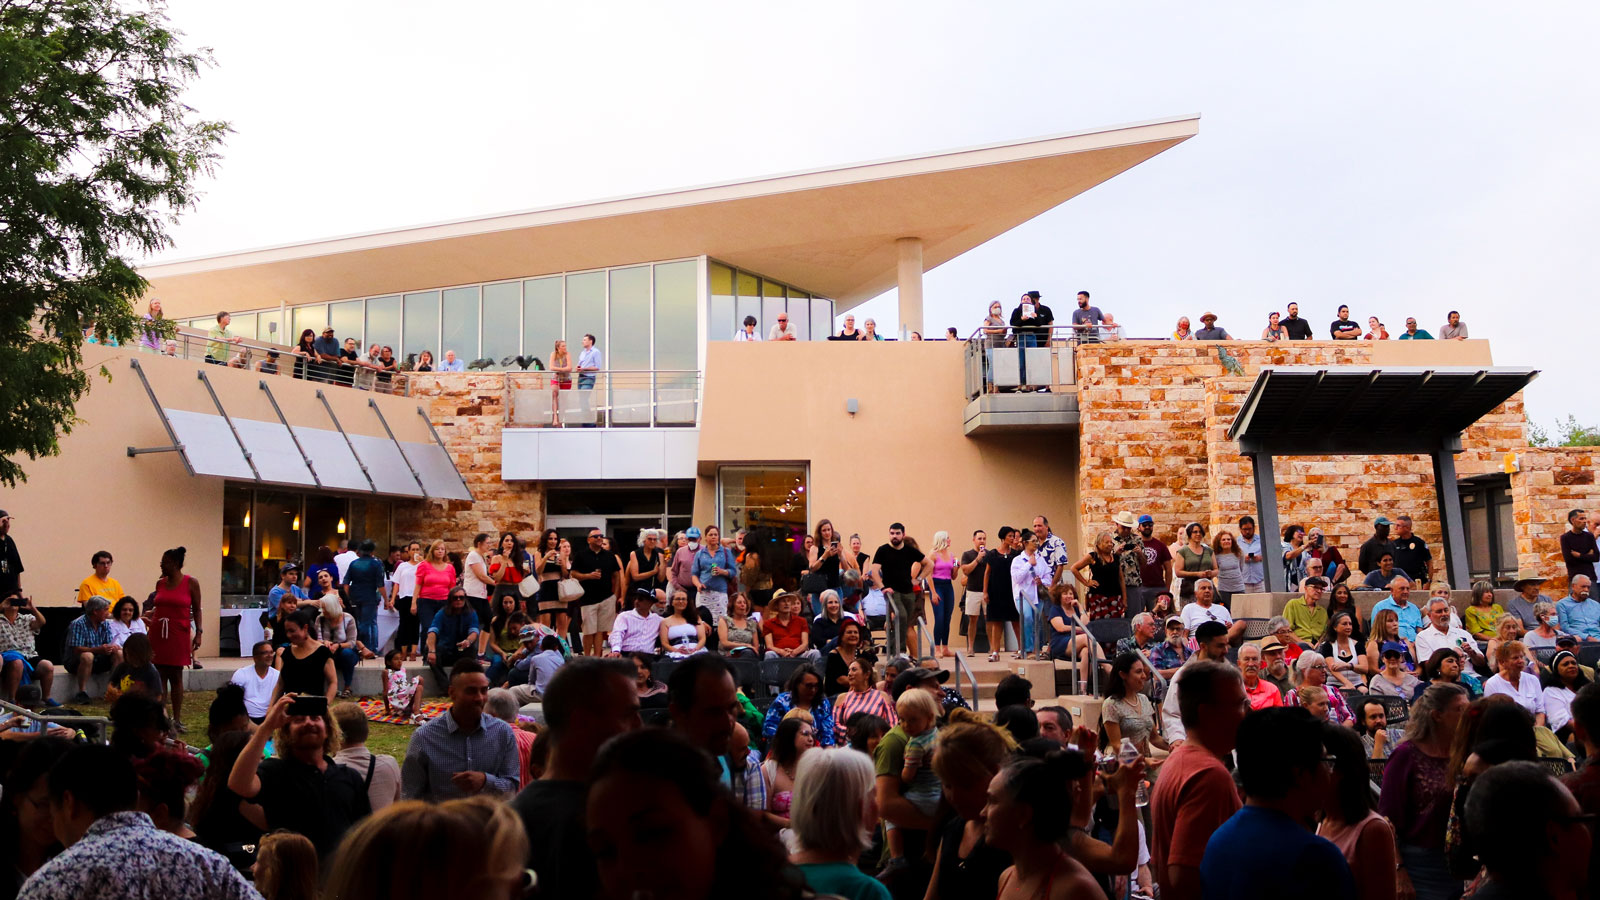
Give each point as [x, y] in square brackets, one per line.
[1210, 330]
[1527, 587]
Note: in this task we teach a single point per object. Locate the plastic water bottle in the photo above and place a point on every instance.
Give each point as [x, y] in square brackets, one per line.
[1127, 755]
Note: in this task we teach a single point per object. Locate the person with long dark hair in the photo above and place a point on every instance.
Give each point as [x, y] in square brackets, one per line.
[305, 666]
[1349, 820]
[804, 691]
[222, 820]
[1128, 713]
[548, 563]
[652, 784]
[1029, 815]
[508, 565]
[27, 836]
[1563, 679]
[175, 627]
[796, 734]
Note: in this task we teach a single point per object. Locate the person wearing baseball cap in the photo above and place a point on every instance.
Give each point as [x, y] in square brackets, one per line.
[288, 583]
[1155, 569]
[1169, 655]
[1374, 547]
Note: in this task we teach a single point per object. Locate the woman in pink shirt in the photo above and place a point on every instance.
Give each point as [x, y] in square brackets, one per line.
[435, 577]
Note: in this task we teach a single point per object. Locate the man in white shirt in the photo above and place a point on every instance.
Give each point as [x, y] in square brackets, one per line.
[1203, 609]
[344, 559]
[1440, 633]
[259, 680]
[748, 332]
[783, 331]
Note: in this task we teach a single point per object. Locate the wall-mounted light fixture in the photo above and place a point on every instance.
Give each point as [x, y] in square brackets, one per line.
[852, 406]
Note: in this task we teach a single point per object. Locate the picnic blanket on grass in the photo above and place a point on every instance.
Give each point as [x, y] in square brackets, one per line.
[373, 707]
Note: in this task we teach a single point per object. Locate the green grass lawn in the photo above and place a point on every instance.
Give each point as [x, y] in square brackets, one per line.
[384, 738]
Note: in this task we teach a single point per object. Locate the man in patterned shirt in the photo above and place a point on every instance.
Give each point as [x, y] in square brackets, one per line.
[115, 852]
[20, 623]
[1129, 548]
[1053, 550]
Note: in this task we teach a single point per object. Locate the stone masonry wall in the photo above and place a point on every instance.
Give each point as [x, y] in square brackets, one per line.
[469, 411]
[1153, 439]
[1550, 483]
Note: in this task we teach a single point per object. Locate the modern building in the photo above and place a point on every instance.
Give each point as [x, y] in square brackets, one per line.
[681, 423]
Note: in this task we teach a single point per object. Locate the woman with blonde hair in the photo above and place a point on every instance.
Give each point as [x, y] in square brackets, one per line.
[336, 629]
[969, 752]
[286, 867]
[560, 379]
[1508, 629]
[394, 854]
[943, 564]
[435, 577]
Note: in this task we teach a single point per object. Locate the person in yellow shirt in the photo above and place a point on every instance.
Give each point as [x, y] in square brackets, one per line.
[100, 584]
[1307, 618]
[218, 339]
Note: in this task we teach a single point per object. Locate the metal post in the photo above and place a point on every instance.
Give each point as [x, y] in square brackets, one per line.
[310, 466]
[226, 418]
[1267, 512]
[440, 441]
[401, 450]
[359, 461]
[162, 415]
[1449, 500]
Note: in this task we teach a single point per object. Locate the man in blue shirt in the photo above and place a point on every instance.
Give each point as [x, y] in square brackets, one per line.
[326, 347]
[288, 583]
[1399, 600]
[365, 578]
[464, 752]
[451, 363]
[588, 363]
[1579, 614]
[1267, 846]
[90, 648]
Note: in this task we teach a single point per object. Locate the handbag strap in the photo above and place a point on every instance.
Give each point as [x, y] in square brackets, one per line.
[372, 766]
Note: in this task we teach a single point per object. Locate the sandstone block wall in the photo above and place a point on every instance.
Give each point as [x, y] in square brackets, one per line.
[1551, 482]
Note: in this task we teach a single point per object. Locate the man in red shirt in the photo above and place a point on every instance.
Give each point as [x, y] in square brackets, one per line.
[1195, 793]
[1260, 692]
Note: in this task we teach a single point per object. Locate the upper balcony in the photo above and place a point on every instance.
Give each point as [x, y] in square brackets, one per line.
[267, 358]
[1026, 383]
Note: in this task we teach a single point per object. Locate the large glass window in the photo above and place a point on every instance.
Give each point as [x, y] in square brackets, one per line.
[236, 536]
[277, 524]
[422, 325]
[772, 304]
[586, 310]
[243, 325]
[346, 319]
[502, 321]
[541, 316]
[303, 317]
[763, 497]
[821, 319]
[722, 323]
[630, 320]
[800, 313]
[676, 347]
[460, 324]
[383, 323]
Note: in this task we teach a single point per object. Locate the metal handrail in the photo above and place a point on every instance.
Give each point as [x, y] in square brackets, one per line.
[96, 725]
[961, 664]
[1094, 662]
[1058, 333]
[660, 398]
[267, 358]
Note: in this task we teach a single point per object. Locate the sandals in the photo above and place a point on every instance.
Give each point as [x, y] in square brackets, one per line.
[994, 656]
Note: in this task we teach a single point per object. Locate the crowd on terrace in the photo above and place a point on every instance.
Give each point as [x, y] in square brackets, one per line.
[705, 727]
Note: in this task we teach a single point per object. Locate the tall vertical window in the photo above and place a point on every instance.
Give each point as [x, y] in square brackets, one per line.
[772, 304]
[722, 322]
[346, 320]
[763, 497]
[278, 530]
[586, 310]
[302, 317]
[676, 347]
[630, 320]
[460, 324]
[383, 322]
[800, 314]
[421, 313]
[502, 321]
[236, 537]
[748, 289]
[821, 318]
[541, 316]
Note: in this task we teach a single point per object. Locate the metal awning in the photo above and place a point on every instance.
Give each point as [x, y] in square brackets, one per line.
[1356, 411]
[1307, 410]
[305, 454]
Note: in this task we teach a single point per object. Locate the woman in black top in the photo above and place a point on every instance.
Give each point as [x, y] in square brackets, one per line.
[222, 821]
[306, 665]
[971, 752]
[305, 350]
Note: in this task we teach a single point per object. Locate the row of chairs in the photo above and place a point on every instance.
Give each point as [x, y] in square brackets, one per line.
[760, 679]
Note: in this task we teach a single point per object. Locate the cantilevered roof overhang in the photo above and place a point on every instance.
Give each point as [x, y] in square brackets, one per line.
[1306, 410]
[831, 231]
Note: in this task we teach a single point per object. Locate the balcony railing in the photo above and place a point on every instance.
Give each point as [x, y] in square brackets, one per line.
[661, 398]
[1007, 362]
[276, 359]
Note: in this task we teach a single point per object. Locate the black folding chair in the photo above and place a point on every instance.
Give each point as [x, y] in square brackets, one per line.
[1558, 767]
[1375, 768]
[1589, 654]
[775, 672]
[1106, 632]
[661, 670]
[658, 716]
[1395, 710]
[747, 673]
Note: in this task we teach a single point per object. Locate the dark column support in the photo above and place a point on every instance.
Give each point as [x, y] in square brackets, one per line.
[1267, 516]
[1455, 535]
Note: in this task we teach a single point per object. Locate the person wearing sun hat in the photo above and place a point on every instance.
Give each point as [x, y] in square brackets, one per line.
[1527, 587]
[1128, 547]
[1210, 330]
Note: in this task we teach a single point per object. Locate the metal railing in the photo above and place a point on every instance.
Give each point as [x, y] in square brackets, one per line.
[93, 727]
[275, 359]
[1002, 360]
[659, 398]
[961, 665]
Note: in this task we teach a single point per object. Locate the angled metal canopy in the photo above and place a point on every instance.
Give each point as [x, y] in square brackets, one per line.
[1357, 411]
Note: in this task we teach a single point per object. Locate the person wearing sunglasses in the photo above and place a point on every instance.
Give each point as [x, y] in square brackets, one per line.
[782, 331]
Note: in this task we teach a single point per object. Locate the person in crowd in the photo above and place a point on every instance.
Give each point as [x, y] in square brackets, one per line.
[1579, 550]
[1562, 680]
[452, 635]
[1441, 633]
[1375, 330]
[1183, 332]
[1585, 782]
[804, 691]
[1453, 329]
[1342, 600]
[1000, 605]
[1230, 563]
[90, 649]
[1413, 333]
[1373, 547]
[1155, 571]
[1312, 667]
[970, 752]
[1530, 834]
[1579, 613]
[795, 735]
[1029, 572]
[1416, 795]
[465, 751]
[1347, 658]
[1399, 602]
[1313, 699]
[861, 696]
[824, 629]
[174, 622]
[364, 579]
[135, 672]
[452, 363]
[1195, 560]
[509, 563]
[1280, 628]
[1266, 843]
[99, 583]
[1173, 651]
[1127, 711]
[718, 849]
[901, 565]
[1069, 638]
[1392, 679]
[1305, 614]
[682, 633]
[652, 693]
[1274, 330]
[1444, 667]
[1103, 582]
[302, 789]
[405, 841]
[1513, 680]
[1342, 328]
[782, 330]
[715, 574]
[738, 634]
[337, 631]
[942, 566]
[1294, 555]
[1334, 568]
[747, 331]
[114, 851]
[918, 713]
[504, 705]
[20, 624]
[1527, 587]
[1372, 724]
[1509, 629]
[1210, 330]
[834, 810]
[1380, 578]
[305, 665]
[588, 702]
[1296, 328]
[637, 630]
[165, 777]
[703, 702]
[850, 644]
[288, 586]
[1195, 794]
[27, 836]
[1206, 609]
[218, 339]
[435, 577]
[1365, 838]
[286, 867]
[1411, 553]
[1483, 613]
[501, 643]
[1030, 324]
[895, 808]
[379, 771]
[788, 634]
[1261, 693]
[600, 573]
[1029, 815]
[1386, 636]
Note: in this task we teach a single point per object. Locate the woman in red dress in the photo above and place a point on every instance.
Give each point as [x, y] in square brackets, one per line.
[174, 624]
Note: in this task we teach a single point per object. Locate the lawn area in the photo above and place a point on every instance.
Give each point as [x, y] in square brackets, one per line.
[384, 738]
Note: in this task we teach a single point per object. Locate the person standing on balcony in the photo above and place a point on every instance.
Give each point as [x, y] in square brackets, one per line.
[1454, 329]
[782, 331]
[1183, 332]
[1211, 331]
[560, 379]
[870, 333]
[1375, 330]
[589, 364]
[326, 350]
[848, 333]
[1274, 331]
[1298, 329]
[452, 363]
[218, 337]
[1413, 333]
[747, 332]
[1030, 322]
[1342, 328]
[1086, 319]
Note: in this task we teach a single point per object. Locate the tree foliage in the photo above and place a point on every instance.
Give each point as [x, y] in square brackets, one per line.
[1572, 434]
[98, 155]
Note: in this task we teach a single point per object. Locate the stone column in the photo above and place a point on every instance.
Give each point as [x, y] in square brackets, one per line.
[909, 271]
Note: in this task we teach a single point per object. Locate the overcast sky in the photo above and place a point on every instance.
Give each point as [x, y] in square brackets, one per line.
[1406, 159]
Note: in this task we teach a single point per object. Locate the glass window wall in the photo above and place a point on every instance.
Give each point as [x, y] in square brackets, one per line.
[675, 323]
[769, 502]
[460, 324]
[734, 294]
[586, 311]
[821, 319]
[383, 323]
[303, 317]
[346, 319]
[722, 323]
[541, 316]
[421, 312]
[502, 322]
[630, 316]
[263, 529]
[747, 288]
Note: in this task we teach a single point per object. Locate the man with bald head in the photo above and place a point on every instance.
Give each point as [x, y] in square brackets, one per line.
[1399, 600]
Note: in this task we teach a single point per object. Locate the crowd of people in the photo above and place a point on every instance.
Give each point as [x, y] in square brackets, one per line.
[1403, 752]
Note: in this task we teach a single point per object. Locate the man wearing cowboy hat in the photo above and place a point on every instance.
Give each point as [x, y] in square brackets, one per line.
[1578, 612]
[1274, 667]
[1527, 587]
[1129, 549]
[1210, 331]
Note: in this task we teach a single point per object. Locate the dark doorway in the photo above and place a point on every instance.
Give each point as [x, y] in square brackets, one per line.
[1491, 542]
